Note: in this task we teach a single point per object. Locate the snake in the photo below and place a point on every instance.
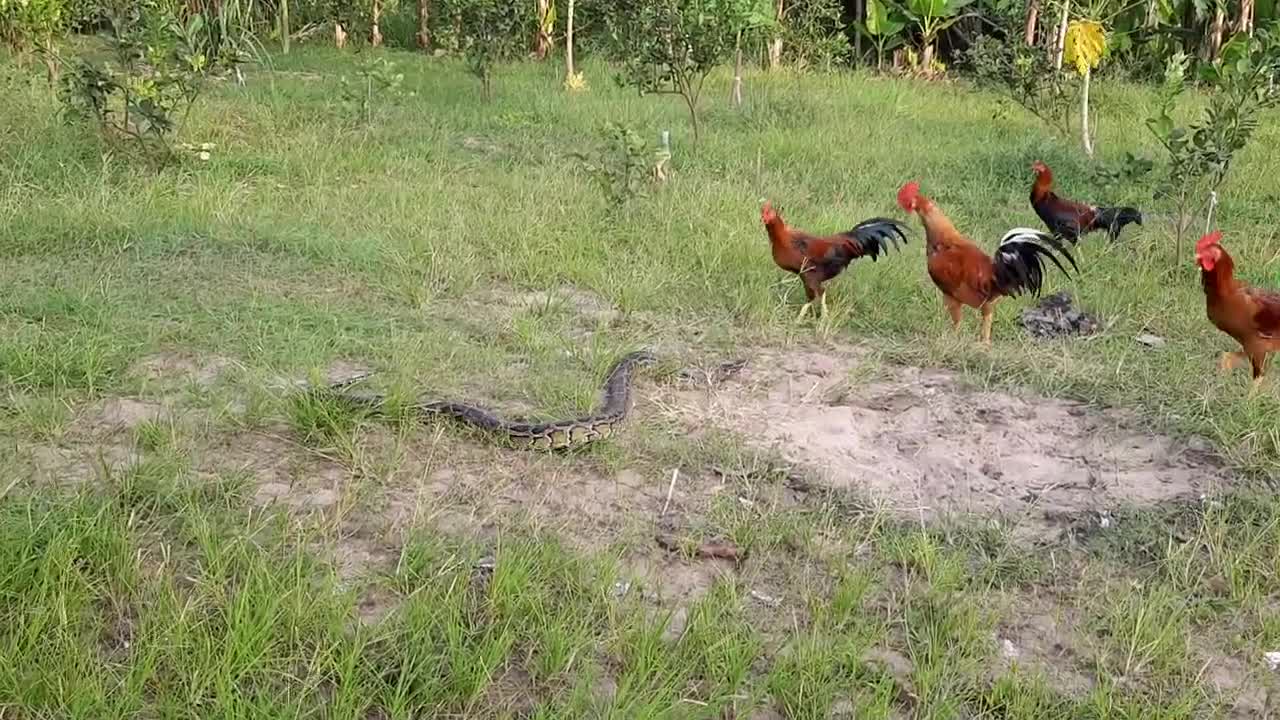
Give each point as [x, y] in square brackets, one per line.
[603, 423]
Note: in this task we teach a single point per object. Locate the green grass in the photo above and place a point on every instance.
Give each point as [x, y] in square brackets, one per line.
[414, 244]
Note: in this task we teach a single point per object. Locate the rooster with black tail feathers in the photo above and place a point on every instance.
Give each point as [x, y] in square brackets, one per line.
[968, 276]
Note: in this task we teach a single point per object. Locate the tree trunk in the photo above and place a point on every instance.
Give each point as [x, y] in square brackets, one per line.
[375, 32]
[1060, 42]
[693, 115]
[735, 98]
[1084, 114]
[542, 38]
[926, 60]
[1033, 16]
[859, 15]
[775, 45]
[339, 35]
[283, 17]
[570, 75]
[1213, 43]
[424, 25]
[51, 67]
[1245, 24]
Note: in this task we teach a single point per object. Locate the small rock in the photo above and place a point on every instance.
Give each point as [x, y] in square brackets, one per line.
[620, 589]
[769, 600]
[1151, 341]
[676, 625]
[1008, 650]
[321, 498]
[841, 709]
[271, 491]
[1273, 660]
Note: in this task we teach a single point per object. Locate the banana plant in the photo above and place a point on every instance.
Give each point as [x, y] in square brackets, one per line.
[932, 17]
[883, 27]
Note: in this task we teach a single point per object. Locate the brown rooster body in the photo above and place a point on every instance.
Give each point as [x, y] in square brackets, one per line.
[818, 259]
[1250, 315]
[968, 276]
[1070, 219]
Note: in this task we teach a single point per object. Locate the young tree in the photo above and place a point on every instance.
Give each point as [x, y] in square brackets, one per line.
[751, 17]
[1086, 41]
[670, 46]
[490, 35]
[883, 27]
[932, 17]
[1202, 153]
[775, 44]
[282, 18]
[573, 80]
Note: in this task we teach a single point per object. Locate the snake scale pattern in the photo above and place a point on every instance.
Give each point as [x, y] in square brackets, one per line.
[615, 400]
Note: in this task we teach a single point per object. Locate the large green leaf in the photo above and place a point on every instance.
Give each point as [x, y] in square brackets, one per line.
[936, 8]
[879, 22]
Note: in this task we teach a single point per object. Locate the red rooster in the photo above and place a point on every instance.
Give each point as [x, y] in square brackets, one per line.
[818, 259]
[1249, 315]
[1069, 219]
[968, 276]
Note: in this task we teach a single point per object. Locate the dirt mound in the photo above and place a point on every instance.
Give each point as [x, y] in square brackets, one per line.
[1056, 316]
[929, 446]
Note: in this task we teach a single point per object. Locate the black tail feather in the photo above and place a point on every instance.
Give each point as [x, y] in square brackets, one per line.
[1019, 261]
[1114, 219]
[876, 235]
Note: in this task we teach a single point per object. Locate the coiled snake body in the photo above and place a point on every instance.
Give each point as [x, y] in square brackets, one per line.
[615, 399]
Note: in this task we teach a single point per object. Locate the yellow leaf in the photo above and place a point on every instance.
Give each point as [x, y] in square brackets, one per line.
[1085, 43]
[575, 82]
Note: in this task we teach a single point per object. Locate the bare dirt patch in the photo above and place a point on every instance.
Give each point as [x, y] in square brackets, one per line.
[928, 446]
[180, 367]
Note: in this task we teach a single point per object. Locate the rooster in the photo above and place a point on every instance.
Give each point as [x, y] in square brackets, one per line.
[818, 259]
[1069, 219]
[968, 276]
[1249, 315]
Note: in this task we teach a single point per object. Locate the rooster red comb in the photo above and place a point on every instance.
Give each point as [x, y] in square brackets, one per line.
[908, 194]
[1212, 238]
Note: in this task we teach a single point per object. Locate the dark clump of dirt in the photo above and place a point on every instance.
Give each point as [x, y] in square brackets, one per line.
[1057, 316]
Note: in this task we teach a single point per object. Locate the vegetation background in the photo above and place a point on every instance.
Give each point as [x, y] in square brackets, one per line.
[203, 202]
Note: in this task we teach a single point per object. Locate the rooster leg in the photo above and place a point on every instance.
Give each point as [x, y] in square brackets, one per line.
[813, 291]
[1259, 362]
[954, 309]
[1230, 359]
[988, 314]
